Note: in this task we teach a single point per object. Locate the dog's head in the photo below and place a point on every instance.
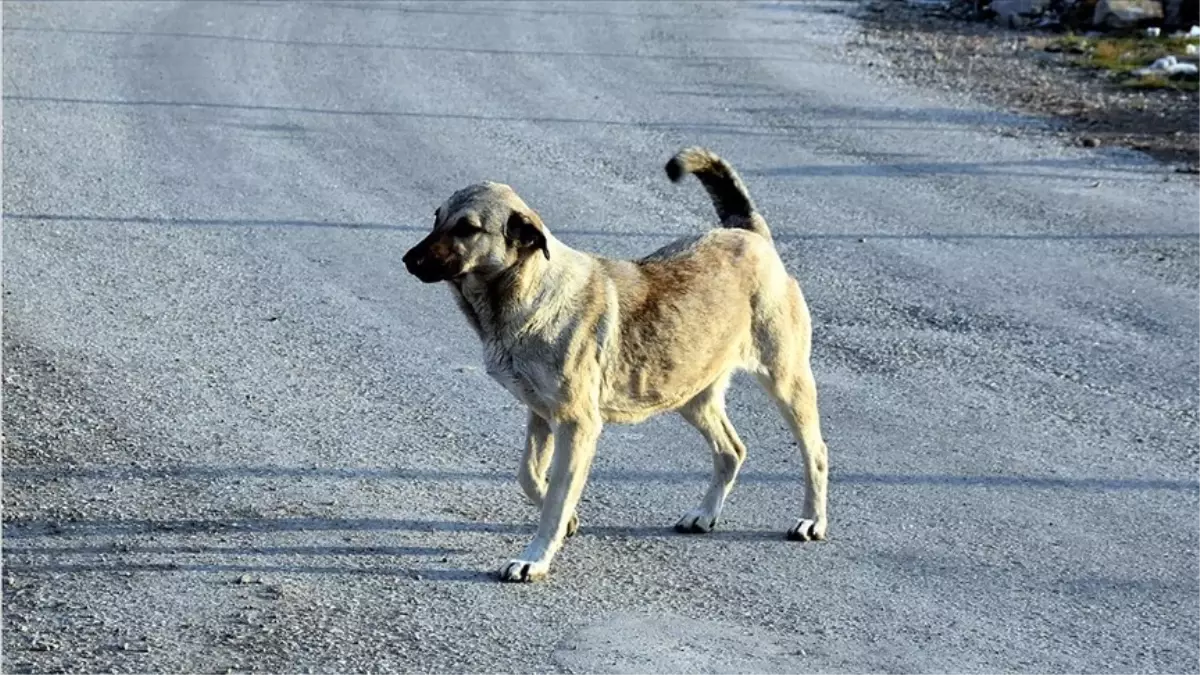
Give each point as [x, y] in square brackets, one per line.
[483, 229]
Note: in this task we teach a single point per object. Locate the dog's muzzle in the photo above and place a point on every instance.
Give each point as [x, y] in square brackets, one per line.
[421, 266]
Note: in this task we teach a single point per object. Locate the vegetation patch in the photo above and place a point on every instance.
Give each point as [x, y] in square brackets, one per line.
[1121, 57]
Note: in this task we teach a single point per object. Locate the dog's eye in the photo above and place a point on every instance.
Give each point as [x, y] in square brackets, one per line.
[464, 228]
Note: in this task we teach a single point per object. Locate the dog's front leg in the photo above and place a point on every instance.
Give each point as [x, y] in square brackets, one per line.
[539, 446]
[574, 447]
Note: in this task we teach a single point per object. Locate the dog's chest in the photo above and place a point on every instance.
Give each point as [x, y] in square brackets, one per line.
[515, 369]
[519, 363]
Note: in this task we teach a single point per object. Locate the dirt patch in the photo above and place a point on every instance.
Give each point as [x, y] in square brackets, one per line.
[1055, 76]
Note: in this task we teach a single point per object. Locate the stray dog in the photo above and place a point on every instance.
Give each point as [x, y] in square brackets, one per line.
[583, 340]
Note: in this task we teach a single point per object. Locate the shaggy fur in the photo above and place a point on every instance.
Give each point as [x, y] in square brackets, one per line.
[583, 340]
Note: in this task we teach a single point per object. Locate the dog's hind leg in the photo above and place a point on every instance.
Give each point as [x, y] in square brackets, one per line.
[539, 447]
[795, 394]
[706, 412]
[784, 345]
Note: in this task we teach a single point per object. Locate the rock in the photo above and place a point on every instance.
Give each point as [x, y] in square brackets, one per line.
[1015, 13]
[1124, 13]
[1007, 8]
[1091, 142]
[1171, 67]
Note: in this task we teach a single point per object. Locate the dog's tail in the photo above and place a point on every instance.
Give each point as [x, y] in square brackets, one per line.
[730, 198]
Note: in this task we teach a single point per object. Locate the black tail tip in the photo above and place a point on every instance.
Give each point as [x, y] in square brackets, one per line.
[674, 170]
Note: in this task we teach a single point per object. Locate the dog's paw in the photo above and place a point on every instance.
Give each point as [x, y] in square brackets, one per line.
[573, 525]
[523, 571]
[696, 521]
[807, 530]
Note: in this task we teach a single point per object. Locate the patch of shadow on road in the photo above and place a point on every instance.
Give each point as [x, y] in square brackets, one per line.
[209, 222]
[778, 233]
[189, 557]
[445, 49]
[421, 574]
[777, 130]
[1027, 169]
[921, 115]
[117, 548]
[188, 472]
[278, 128]
[20, 529]
[114, 556]
[499, 12]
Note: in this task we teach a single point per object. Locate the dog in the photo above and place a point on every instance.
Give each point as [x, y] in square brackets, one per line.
[583, 340]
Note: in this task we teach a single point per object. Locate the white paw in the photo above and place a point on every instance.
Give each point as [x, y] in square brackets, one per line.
[696, 521]
[807, 530]
[523, 571]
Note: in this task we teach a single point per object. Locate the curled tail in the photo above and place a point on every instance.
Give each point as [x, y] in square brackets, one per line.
[729, 196]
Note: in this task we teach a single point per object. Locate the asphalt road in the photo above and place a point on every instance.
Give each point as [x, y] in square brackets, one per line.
[240, 436]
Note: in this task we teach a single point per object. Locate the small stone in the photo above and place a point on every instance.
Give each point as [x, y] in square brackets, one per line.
[1091, 142]
[245, 579]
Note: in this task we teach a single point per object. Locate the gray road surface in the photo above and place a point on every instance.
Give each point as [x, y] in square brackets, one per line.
[240, 437]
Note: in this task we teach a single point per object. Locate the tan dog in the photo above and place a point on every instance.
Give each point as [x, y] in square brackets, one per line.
[583, 340]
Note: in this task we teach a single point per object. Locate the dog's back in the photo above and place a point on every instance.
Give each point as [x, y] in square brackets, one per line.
[689, 312]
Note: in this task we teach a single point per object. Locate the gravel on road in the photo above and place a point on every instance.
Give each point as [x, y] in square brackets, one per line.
[239, 437]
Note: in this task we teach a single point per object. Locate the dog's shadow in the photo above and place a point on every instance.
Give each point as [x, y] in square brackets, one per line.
[26, 529]
[617, 532]
[118, 547]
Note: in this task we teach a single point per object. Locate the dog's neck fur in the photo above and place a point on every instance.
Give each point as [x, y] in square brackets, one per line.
[521, 300]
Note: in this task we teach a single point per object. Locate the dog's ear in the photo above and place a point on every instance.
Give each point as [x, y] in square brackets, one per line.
[526, 230]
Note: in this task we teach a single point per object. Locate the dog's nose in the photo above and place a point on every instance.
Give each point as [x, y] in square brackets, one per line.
[413, 259]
